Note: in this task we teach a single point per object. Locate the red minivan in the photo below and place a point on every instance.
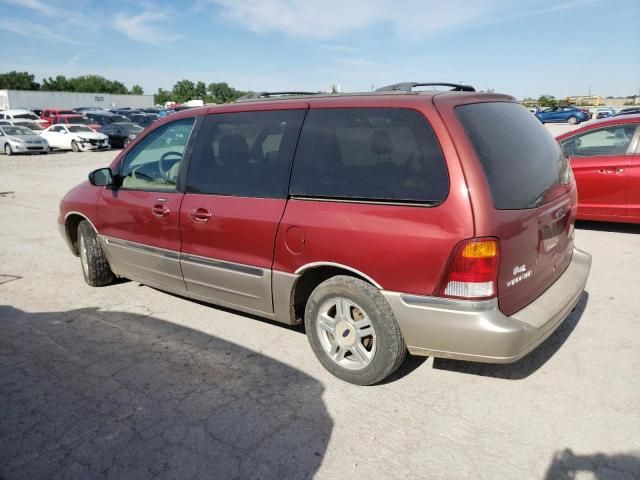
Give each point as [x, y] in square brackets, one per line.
[438, 223]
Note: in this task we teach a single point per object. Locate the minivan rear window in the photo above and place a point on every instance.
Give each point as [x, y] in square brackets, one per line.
[369, 154]
[523, 164]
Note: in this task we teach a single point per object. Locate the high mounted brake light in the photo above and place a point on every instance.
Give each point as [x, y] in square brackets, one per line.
[473, 270]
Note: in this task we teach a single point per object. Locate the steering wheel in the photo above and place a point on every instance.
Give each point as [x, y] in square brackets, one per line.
[164, 171]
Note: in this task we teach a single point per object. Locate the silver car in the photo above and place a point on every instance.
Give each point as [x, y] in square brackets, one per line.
[19, 139]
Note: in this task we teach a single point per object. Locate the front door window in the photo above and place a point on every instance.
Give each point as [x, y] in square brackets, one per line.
[154, 163]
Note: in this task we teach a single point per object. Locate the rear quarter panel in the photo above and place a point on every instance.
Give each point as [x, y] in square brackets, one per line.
[401, 248]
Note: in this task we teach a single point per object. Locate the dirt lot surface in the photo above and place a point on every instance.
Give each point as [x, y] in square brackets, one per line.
[129, 382]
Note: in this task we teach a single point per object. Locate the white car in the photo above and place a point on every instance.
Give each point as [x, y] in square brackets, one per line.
[75, 137]
[20, 114]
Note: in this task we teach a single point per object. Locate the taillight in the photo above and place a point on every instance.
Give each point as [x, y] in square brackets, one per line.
[473, 270]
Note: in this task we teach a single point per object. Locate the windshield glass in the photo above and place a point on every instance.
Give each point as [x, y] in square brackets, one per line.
[119, 118]
[32, 125]
[79, 120]
[17, 131]
[30, 116]
[130, 127]
[79, 128]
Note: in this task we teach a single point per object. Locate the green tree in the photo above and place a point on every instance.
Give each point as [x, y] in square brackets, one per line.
[162, 97]
[183, 91]
[137, 90]
[18, 81]
[201, 91]
[222, 93]
[58, 84]
[547, 101]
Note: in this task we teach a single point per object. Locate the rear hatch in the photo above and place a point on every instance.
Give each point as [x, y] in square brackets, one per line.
[526, 197]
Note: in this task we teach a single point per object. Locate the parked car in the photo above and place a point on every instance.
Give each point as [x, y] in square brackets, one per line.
[75, 137]
[84, 110]
[106, 118]
[572, 115]
[435, 222]
[74, 120]
[121, 133]
[48, 113]
[605, 158]
[34, 126]
[629, 111]
[144, 120]
[127, 112]
[604, 113]
[20, 114]
[19, 139]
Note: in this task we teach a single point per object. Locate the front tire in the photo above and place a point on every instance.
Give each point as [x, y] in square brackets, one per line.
[353, 332]
[7, 150]
[573, 120]
[74, 146]
[95, 266]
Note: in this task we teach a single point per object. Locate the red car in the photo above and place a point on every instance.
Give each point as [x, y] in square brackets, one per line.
[605, 158]
[385, 222]
[74, 119]
[48, 113]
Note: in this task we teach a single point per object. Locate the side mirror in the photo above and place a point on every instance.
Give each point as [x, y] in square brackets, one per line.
[101, 177]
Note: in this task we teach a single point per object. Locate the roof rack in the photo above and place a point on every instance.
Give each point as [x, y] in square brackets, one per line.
[409, 86]
[259, 95]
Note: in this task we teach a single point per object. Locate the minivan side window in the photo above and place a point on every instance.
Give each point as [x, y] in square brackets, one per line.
[369, 154]
[613, 140]
[245, 154]
[154, 163]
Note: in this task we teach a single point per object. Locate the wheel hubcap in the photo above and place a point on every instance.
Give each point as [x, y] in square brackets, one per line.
[346, 333]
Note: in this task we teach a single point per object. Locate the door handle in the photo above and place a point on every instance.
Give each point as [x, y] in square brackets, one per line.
[200, 215]
[160, 210]
[611, 171]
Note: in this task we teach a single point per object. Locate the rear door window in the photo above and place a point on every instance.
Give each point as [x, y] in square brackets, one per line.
[522, 162]
[369, 154]
[245, 154]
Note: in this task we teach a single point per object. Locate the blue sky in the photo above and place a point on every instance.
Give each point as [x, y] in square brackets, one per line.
[521, 47]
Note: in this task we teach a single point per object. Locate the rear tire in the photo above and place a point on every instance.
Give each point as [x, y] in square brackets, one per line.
[353, 332]
[95, 266]
[7, 150]
[74, 146]
[573, 120]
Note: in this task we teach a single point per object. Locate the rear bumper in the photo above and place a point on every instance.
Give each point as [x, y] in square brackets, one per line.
[477, 330]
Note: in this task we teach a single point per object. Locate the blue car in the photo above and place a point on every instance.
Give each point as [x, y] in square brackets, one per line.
[572, 115]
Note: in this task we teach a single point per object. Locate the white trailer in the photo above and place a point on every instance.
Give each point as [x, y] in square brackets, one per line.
[35, 99]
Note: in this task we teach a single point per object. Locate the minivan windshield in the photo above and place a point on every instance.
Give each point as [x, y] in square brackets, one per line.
[523, 164]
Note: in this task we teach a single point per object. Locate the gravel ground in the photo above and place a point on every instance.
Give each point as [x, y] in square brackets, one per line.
[129, 382]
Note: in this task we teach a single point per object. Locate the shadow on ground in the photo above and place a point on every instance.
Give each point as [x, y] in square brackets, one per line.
[568, 466]
[530, 363]
[608, 226]
[107, 394]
